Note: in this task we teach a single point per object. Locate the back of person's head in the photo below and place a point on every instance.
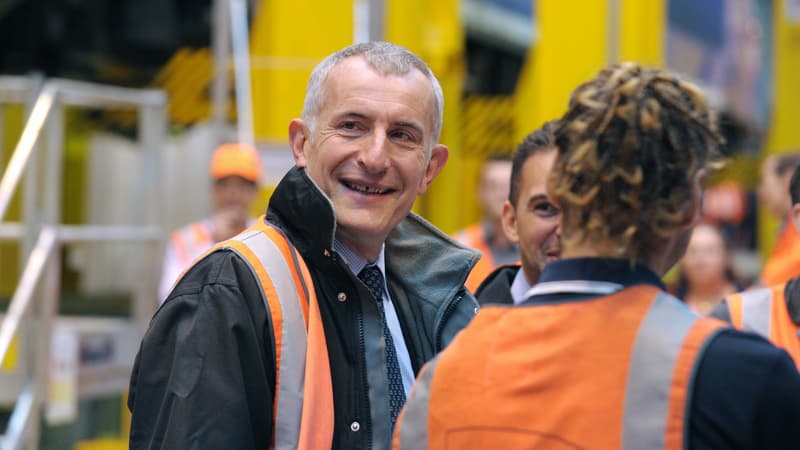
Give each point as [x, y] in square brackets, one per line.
[540, 140]
[630, 148]
[235, 159]
[383, 57]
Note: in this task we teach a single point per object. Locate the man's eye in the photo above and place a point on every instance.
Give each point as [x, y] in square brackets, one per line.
[349, 125]
[546, 209]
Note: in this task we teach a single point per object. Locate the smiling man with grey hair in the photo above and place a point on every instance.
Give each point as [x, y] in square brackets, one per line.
[307, 330]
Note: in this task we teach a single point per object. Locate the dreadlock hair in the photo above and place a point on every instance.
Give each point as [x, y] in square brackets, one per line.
[630, 145]
[539, 140]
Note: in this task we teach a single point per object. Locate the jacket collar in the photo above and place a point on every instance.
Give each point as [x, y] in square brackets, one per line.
[417, 254]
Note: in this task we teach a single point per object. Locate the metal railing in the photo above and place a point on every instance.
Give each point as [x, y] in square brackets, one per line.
[41, 270]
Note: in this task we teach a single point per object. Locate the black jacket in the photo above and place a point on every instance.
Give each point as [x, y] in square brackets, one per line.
[205, 373]
[496, 287]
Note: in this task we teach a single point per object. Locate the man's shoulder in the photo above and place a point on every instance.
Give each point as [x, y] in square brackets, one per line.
[496, 287]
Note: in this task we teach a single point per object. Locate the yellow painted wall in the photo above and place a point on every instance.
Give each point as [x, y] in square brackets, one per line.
[288, 39]
[432, 29]
[784, 132]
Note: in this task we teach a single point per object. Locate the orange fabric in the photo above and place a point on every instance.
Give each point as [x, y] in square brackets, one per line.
[783, 332]
[735, 310]
[233, 159]
[317, 419]
[784, 263]
[681, 380]
[568, 360]
[473, 236]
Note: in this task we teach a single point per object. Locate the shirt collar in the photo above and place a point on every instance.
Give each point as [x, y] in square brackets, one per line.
[355, 262]
[519, 287]
[613, 270]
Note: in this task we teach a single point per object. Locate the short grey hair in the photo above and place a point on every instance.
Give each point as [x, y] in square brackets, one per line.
[386, 59]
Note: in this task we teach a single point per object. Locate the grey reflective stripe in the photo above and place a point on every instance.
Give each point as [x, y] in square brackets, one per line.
[659, 341]
[757, 310]
[413, 432]
[574, 287]
[289, 396]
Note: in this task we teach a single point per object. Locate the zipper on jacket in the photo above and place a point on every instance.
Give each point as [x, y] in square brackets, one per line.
[437, 342]
[367, 420]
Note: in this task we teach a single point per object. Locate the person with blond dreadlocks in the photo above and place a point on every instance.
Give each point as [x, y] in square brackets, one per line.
[599, 356]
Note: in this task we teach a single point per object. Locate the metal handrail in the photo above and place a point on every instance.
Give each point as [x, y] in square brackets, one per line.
[75, 93]
[23, 412]
[27, 285]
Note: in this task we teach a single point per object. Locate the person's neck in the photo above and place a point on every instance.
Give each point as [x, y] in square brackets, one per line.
[710, 289]
[585, 249]
[366, 248]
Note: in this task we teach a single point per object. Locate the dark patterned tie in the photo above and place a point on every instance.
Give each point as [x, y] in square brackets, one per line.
[372, 277]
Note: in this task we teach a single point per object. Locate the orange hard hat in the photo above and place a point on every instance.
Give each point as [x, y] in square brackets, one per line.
[234, 159]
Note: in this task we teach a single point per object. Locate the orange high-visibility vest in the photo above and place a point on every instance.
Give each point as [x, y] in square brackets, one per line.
[764, 311]
[303, 404]
[784, 262]
[613, 372]
[192, 240]
[473, 236]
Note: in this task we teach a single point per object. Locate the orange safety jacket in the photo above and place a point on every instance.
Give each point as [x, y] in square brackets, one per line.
[473, 236]
[784, 262]
[303, 404]
[192, 240]
[613, 372]
[764, 311]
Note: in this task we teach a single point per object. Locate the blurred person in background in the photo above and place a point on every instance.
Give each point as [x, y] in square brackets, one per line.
[706, 272]
[487, 235]
[530, 218]
[773, 193]
[235, 169]
[773, 312]
[306, 331]
[599, 356]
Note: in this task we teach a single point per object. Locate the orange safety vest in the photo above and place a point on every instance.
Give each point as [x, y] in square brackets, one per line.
[784, 262]
[613, 372]
[764, 311]
[191, 241]
[473, 237]
[303, 404]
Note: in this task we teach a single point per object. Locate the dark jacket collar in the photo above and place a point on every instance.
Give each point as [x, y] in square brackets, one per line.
[304, 213]
[613, 270]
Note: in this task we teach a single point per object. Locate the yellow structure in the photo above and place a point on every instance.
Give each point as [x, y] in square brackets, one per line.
[784, 134]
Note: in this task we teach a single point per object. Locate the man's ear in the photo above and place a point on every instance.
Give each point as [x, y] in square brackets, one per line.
[508, 219]
[439, 155]
[298, 136]
[796, 216]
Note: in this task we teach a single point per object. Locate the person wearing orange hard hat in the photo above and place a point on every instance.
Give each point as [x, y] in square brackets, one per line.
[235, 170]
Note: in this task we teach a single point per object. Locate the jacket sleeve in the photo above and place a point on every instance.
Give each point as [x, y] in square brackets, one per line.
[204, 375]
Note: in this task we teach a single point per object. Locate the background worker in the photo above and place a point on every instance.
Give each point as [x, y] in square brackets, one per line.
[487, 235]
[773, 193]
[530, 218]
[235, 169]
[774, 311]
[306, 330]
[600, 356]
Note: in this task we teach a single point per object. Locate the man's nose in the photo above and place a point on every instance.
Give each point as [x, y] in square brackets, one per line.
[374, 155]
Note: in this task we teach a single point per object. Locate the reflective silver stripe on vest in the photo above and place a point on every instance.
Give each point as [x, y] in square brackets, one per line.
[413, 432]
[659, 341]
[757, 310]
[293, 337]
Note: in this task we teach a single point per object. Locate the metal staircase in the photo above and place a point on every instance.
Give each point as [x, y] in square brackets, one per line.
[33, 310]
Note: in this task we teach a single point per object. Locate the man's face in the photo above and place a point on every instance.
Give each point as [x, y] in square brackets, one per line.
[494, 186]
[534, 221]
[233, 193]
[368, 153]
[773, 190]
